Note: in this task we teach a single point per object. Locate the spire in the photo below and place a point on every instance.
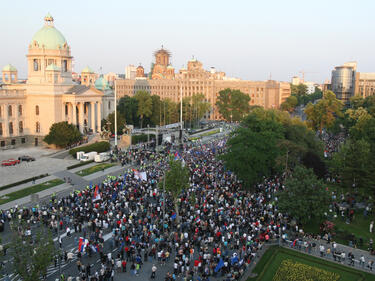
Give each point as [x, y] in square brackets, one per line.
[48, 19]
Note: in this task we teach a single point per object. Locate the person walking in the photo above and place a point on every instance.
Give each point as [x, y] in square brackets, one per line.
[153, 273]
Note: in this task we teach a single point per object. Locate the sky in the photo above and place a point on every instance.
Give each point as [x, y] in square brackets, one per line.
[249, 39]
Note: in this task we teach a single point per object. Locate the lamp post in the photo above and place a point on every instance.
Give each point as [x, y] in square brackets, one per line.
[115, 118]
[148, 134]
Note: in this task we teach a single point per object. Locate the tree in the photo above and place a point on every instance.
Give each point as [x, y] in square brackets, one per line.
[176, 179]
[63, 134]
[323, 114]
[304, 197]
[290, 104]
[233, 105]
[127, 108]
[298, 90]
[354, 164]
[32, 254]
[120, 122]
[156, 110]
[199, 107]
[253, 143]
[144, 104]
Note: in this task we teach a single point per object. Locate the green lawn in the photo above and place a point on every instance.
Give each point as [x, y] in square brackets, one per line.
[271, 261]
[30, 190]
[94, 169]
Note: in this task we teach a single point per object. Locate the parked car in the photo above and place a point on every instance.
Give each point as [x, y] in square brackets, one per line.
[26, 158]
[6, 163]
[14, 161]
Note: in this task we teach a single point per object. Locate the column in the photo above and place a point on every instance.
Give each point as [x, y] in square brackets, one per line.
[6, 121]
[16, 128]
[92, 115]
[74, 120]
[81, 116]
[99, 116]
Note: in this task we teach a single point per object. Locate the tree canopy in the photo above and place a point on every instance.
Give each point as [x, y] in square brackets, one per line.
[144, 104]
[304, 197]
[63, 134]
[233, 105]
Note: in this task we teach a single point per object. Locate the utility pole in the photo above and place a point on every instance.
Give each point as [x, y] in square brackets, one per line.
[181, 128]
[115, 118]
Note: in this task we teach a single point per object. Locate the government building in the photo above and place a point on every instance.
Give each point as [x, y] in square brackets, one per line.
[49, 95]
[166, 83]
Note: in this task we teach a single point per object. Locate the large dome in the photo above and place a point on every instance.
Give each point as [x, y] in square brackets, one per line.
[48, 36]
[101, 84]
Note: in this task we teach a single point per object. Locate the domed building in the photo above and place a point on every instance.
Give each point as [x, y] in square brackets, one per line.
[27, 110]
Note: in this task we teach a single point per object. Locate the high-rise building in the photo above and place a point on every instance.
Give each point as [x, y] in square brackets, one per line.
[343, 81]
[130, 72]
[195, 80]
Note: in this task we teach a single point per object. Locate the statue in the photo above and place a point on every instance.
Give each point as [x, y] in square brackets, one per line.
[127, 129]
[105, 134]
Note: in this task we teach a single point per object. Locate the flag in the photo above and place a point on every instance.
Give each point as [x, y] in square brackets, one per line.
[95, 248]
[219, 265]
[174, 215]
[177, 156]
[140, 175]
[82, 244]
[234, 260]
[96, 193]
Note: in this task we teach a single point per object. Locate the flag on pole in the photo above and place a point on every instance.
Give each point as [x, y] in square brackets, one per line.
[219, 265]
[96, 193]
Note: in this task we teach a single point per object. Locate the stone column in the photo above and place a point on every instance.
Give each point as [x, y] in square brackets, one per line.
[99, 117]
[6, 121]
[92, 117]
[74, 120]
[81, 116]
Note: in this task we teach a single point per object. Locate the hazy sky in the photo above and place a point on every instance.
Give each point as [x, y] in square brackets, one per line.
[246, 39]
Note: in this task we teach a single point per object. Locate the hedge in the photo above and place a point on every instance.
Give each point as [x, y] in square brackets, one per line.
[101, 146]
[141, 138]
[23, 181]
[79, 164]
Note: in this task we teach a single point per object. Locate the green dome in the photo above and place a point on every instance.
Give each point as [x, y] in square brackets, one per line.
[48, 36]
[101, 84]
[9, 67]
[53, 67]
[88, 69]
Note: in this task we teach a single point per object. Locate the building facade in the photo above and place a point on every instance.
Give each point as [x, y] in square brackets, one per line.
[364, 84]
[195, 80]
[343, 81]
[28, 109]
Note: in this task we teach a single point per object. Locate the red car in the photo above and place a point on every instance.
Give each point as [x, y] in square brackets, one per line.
[10, 162]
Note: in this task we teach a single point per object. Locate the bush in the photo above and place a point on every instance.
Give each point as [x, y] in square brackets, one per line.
[101, 146]
[23, 181]
[141, 138]
[79, 165]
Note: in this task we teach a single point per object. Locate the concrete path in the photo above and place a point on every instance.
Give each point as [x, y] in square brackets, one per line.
[75, 179]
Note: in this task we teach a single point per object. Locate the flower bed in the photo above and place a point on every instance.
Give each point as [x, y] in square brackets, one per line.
[294, 271]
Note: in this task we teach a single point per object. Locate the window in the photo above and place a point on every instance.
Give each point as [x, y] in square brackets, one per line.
[1, 129]
[64, 65]
[37, 127]
[109, 104]
[66, 109]
[23, 140]
[36, 65]
[20, 110]
[9, 110]
[13, 142]
[10, 128]
[2, 143]
[20, 127]
[37, 109]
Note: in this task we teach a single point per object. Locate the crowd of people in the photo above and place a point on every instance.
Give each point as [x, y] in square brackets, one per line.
[222, 229]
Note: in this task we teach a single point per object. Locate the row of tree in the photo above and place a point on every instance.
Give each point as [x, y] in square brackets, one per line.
[299, 96]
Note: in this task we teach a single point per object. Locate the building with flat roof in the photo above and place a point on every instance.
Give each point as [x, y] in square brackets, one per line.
[195, 79]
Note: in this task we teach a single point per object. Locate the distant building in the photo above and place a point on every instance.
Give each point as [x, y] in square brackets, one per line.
[310, 87]
[343, 81]
[130, 72]
[296, 80]
[364, 84]
[194, 80]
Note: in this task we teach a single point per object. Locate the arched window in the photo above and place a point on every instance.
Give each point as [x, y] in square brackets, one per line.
[37, 109]
[20, 110]
[9, 110]
[10, 128]
[1, 129]
[20, 127]
[109, 105]
[37, 127]
[36, 65]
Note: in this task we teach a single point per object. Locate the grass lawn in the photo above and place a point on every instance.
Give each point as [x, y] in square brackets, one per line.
[94, 169]
[276, 262]
[30, 190]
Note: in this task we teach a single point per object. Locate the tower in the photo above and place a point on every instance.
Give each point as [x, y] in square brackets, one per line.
[9, 74]
[48, 46]
[88, 76]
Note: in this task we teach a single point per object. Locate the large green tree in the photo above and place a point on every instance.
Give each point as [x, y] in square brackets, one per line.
[176, 179]
[290, 104]
[298, 90]
[323, 114]
[63, 134]
[120, 122]
[304, 197]
[144, 104]
[127, 108]
[233, 105]
[253, 148]
[32, 254]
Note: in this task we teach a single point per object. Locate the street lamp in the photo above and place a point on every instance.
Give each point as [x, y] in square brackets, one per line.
[115, 118]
